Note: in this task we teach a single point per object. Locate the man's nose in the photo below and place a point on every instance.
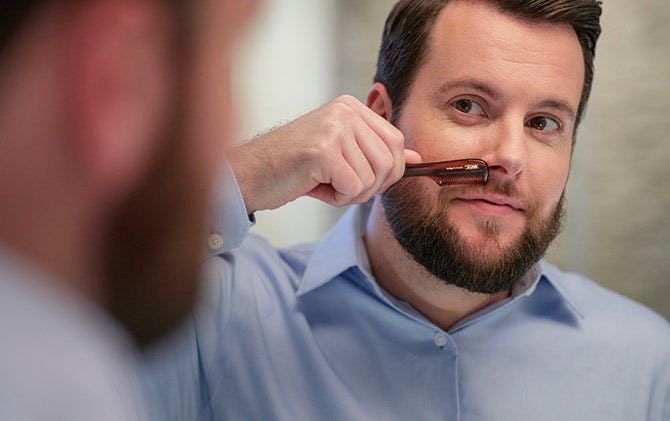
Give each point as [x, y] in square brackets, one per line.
[507, 151]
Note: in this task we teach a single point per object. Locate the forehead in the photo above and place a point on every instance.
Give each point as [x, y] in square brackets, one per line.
[473, 40]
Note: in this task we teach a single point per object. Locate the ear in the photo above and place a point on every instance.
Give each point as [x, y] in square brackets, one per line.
[379, 101]
[118, 61]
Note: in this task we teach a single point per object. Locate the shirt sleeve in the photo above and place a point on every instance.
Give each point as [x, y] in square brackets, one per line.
[230, 222]
[174, 373]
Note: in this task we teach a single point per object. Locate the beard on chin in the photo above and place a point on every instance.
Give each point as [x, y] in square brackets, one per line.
[155, 242]
[156, 249]
[427, 235]
[156, 237]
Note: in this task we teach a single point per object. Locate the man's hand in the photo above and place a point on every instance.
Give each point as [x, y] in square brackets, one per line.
[341, 153]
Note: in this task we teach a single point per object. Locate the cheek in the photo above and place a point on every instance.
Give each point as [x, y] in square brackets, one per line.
[550, 184]
[212, 117]
[217, 105]
[437, 139]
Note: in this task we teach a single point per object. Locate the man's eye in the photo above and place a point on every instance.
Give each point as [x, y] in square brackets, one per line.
[544, 124]
[468, 106]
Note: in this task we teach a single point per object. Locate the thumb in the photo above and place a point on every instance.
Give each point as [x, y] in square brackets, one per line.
[412, 157]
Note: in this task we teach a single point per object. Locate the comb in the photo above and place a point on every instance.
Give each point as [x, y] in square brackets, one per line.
[461, 171]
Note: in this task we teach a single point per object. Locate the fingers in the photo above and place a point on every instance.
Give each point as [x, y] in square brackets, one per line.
[412, 157]
[341, 153]
[384, 146]
[375, 154]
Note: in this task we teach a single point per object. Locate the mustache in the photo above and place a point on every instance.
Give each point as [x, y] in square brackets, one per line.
[497, 186]
[408, 188]
[494, 186]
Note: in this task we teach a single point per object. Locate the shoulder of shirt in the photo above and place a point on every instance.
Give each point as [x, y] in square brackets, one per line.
[254, 244]
[605, 307]
[258, 252]
[57, 337]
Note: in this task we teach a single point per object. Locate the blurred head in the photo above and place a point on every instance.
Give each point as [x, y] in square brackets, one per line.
[408, 27]
[136, 111]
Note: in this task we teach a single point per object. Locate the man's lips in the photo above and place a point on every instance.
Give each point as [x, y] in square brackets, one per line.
[492, 203]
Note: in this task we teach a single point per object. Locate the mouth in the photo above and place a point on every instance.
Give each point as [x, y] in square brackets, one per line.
[498, 205]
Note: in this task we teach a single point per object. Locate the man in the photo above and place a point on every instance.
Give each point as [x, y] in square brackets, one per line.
[427, 302]
[114, 116]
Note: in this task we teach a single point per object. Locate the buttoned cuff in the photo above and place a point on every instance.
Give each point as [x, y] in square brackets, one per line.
[230, 222]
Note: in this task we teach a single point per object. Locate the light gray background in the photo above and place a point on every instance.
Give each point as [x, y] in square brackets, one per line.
[302, 53]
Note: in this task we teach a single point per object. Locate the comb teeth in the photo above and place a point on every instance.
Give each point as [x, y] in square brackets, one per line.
[453, 179]
[462, 171]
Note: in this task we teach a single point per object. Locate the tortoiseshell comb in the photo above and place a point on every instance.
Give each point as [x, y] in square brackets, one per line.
[461, 171]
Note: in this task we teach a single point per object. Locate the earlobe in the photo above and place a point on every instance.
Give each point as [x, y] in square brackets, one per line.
[379, 101]
[118, 89]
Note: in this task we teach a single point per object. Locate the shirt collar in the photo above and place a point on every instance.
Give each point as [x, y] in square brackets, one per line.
[555, 278]
[347, 238]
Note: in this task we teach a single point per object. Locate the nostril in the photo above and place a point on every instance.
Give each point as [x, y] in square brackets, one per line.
[497, 168]
[510, 169]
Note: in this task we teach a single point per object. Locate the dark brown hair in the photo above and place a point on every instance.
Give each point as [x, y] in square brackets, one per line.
[13, 15]
[408, 26]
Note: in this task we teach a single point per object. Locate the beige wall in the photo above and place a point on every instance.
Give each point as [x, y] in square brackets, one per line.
[618, 228]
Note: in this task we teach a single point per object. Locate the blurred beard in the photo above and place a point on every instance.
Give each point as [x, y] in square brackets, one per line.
[429, 237]
[156, 239]
[156, 246]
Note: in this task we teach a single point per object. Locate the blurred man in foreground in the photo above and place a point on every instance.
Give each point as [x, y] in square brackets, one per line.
[114, 116]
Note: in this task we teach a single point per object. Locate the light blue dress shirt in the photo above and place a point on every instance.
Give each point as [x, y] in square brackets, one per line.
[305, 333]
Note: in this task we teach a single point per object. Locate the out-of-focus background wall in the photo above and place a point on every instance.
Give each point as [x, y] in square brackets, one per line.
[302, 53]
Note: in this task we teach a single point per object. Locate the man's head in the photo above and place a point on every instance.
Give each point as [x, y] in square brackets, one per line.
[504, 81]
[115, 116]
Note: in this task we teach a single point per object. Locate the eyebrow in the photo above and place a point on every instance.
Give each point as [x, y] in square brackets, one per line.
[470, 84]
[559, 105]
[484, 88]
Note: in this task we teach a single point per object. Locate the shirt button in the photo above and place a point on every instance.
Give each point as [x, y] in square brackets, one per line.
[440, 339]
[215, 241]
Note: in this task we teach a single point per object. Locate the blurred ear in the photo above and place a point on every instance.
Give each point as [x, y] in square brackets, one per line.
[379, 101]
[119, 63]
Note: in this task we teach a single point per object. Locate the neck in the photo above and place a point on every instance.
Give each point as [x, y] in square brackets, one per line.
[396, 272]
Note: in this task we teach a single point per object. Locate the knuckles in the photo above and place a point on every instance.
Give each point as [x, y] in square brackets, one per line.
[338, 122]
[387, 161]
[341, 110]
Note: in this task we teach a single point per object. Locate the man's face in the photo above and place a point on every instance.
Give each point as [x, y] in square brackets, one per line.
[159, 235]
[495, 88]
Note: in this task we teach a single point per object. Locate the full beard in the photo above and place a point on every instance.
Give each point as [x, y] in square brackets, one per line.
[156, 248]
[155, 242]
[428, 236]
